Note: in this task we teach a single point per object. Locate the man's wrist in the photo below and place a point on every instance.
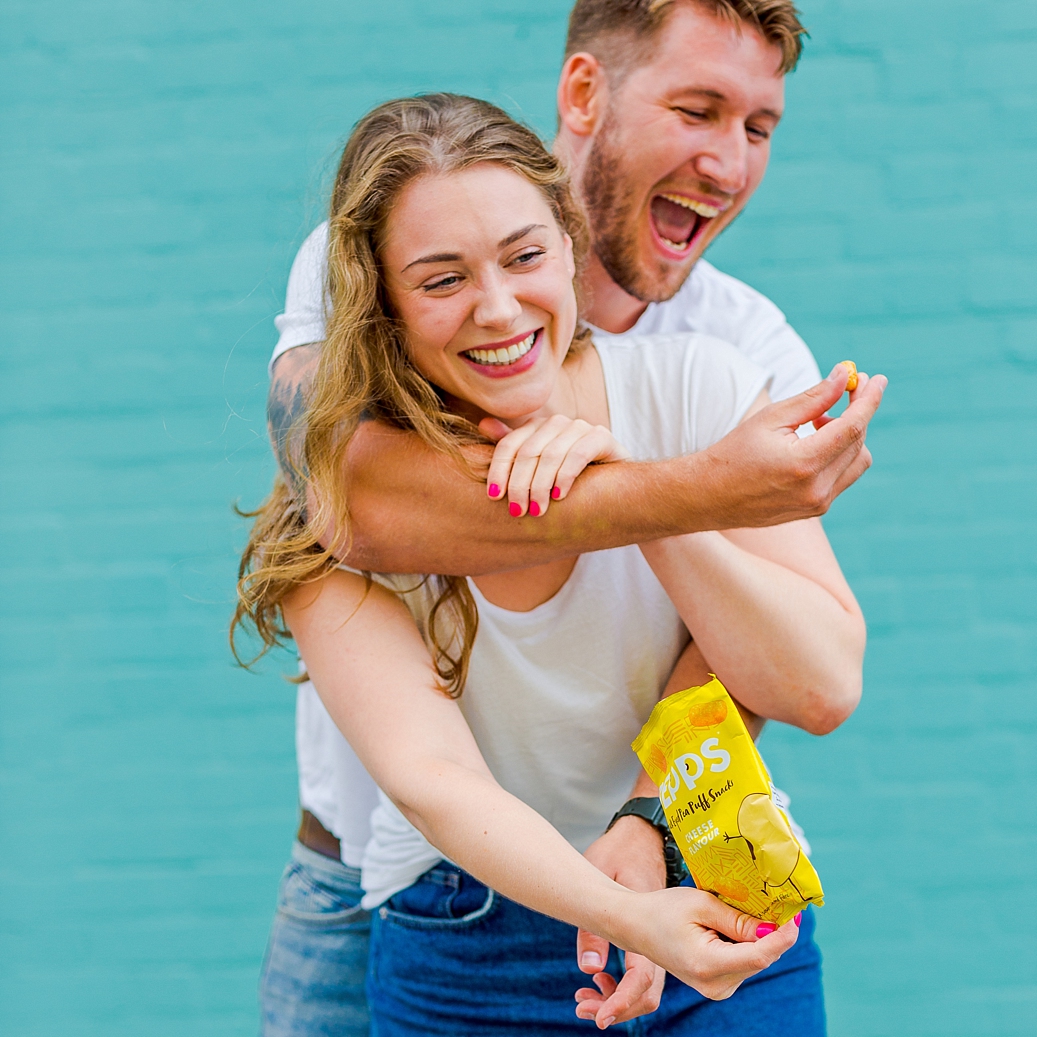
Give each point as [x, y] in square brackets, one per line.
[632, 823]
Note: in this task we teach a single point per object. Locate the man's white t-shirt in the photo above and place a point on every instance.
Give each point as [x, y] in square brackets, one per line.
[333, 784]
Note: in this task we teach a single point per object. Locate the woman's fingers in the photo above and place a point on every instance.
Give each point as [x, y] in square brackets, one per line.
[504, 454]
[725, 966]
[539, 462]
[597, 445]
[550, 437]
[494, 428]
[555, 455]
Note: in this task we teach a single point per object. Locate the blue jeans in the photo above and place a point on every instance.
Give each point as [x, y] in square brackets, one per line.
[312, 984]
[449, 956]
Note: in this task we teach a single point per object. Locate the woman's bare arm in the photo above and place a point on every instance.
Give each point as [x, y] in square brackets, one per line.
[773, 614]
[374, 675]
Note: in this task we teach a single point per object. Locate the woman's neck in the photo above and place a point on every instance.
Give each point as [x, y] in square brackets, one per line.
[579, 393]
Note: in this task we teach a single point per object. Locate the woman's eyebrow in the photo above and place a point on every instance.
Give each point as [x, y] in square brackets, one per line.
[439, 257]
[456, 257]
[512, 238]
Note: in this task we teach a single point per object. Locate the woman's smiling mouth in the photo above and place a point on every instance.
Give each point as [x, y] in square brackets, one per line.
[506, 355]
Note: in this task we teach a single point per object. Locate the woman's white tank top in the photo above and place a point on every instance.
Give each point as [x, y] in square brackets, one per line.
[555, 695]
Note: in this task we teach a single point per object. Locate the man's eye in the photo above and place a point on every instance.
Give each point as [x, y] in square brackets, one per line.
[755, 131]
[693, 114]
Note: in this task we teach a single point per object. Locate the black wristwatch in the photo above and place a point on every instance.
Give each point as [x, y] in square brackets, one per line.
[649, 809]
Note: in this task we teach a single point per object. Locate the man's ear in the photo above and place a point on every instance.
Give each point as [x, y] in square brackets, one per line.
[582, 94]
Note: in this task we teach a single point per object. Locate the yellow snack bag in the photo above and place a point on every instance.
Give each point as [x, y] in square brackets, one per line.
[719, 803]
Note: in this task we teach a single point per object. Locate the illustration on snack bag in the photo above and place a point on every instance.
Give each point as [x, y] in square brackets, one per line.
[719, 803]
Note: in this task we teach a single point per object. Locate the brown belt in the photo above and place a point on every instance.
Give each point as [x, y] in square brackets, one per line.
[314, 836]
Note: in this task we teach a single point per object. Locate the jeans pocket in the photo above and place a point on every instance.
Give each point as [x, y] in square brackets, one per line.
[407, 920]
[305, 898]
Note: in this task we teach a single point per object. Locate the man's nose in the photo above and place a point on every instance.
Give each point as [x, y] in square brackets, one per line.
[725, 161]
[497, 306]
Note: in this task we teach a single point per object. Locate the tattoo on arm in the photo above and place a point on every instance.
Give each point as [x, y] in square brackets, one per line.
[286, 405]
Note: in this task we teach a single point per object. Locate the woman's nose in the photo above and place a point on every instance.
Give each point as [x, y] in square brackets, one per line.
[497, 306]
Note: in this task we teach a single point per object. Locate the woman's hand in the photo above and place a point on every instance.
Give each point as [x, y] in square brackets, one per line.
[682, 930]
[539, 462]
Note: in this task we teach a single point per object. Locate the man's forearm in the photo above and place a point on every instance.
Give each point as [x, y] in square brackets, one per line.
[414, 510]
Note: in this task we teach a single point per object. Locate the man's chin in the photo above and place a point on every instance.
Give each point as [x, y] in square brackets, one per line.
[642, 272]
[659, 280]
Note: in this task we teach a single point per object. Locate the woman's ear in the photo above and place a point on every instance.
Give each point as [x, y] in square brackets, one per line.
[582, 94]
[570, 261]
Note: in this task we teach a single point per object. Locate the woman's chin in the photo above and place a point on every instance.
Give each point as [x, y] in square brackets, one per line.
[510, 401]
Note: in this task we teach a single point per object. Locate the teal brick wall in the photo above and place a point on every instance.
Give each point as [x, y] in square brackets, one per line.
[161, 161]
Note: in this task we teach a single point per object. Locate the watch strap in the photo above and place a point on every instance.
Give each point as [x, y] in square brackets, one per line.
[648, 808]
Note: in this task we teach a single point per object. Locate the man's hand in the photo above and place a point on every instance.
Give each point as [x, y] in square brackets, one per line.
[763, 474]
[631, 852]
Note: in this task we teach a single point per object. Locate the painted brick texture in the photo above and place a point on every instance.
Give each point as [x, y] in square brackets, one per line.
[162, 161]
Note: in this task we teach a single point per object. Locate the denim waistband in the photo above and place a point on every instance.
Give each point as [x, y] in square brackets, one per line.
[335, 870]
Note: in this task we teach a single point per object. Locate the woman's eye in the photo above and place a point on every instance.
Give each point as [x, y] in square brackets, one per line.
[444, 282]
[526, 258]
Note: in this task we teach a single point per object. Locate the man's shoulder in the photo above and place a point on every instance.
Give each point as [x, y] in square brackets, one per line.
[316, 244]
[305, 306]
[715, 303]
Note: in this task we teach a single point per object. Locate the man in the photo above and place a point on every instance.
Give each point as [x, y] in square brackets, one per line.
[666, 111]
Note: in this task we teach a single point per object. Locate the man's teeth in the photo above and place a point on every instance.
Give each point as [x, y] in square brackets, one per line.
[677, 246]
[505, 355]
[701, 208]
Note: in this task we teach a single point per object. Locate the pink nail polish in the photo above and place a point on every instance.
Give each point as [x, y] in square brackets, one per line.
[494, 490]
[764, 929]
[514, 510]
[555, 493]
[534, 508]
[798, 919]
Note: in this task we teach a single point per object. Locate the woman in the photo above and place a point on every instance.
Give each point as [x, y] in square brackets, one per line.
[453, 248]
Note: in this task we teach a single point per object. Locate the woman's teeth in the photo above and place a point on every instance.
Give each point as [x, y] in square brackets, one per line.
[505, 355]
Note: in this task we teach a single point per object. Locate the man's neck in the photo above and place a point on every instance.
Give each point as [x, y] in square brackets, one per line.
[608, 306]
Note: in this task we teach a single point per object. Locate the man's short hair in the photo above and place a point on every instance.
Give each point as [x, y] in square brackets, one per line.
[619, 33]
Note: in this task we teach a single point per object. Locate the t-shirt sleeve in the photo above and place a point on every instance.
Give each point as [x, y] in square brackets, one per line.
[780, 350]
[720, 385]
[305, 304]
[671, 395]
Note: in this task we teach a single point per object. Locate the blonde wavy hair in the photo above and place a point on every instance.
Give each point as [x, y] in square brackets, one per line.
[365, 372]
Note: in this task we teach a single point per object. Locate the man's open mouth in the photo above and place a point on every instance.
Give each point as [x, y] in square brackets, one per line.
[503, 354]
[679, 221]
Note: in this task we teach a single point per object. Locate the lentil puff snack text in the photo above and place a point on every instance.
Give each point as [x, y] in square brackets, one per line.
[719, 803]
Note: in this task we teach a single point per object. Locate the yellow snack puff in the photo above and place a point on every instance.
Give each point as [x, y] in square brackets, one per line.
[719, 803]
[851, 382]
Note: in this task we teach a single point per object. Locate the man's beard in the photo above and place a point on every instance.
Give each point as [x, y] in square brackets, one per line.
[611, 213]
